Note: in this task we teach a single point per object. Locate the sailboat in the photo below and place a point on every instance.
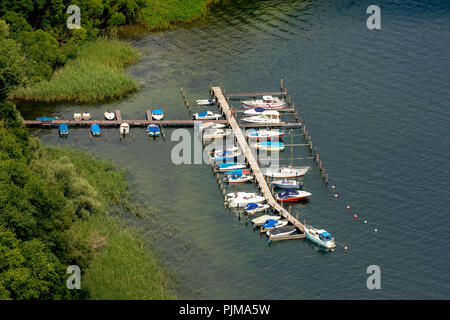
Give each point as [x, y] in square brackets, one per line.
[285, 172]
[269, 145]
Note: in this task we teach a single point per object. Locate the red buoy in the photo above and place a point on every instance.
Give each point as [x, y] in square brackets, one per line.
[347, 207]
[355, 216]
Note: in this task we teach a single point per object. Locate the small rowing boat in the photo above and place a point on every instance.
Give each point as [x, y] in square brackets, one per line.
[292, 195]
[206, 115]
[256, 207]
[95, 129]
[157, 114]
[153, 130]
[285, 183]
[320, 237]
[86, 116]
[279, 232]
[109, 115]
[77, 116]
[267, 102]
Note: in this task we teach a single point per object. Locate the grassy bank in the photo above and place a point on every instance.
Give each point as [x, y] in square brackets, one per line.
[96, 74]
[160, 15]
[120, 265]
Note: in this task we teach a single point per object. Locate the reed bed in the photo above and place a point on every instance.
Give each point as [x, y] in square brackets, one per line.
[95, 75]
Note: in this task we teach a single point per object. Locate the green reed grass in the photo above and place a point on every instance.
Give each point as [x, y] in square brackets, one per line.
[95, 75]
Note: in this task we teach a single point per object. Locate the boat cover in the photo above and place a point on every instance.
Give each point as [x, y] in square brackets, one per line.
[237, 172]
[287, 193]
[282, 230]
[270, 223]
[153, 128]
[63, 128]
[157, 111]
[260, 109]
[45, 119]
[326, 235]
[202, 114]
[95, 128]
[271, 144]
[252, 206]
[226, 165]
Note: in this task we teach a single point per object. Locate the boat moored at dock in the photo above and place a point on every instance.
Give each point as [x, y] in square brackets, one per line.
[269, 145]
[109, 115]
[63, 129]
[206, 115]
[265, 117]
[320, 237]
[280, 232]
[241, 199]
[230, 166]
[153, 130]
[285, 172]
[262, 134]
[157, 114]
[273, 224]
[285, 183]
[95, 129]
[267, 102]
[292, 195]
[124, 128]
[253, 208]
[260, 220]
[86, 116]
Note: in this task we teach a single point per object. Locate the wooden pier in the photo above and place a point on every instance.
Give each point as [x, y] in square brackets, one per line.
[259, 177]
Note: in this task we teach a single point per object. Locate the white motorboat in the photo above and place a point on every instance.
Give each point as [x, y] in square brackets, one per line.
[269, 145]
[268, 116]
[239, 178]
[267, 102]
[254, 112]
[77, 116]
[86, 116]
[230, 166]
[252, 207]
[157, 114]
[285, 183]
[241, 199]
[124, 128]
[279, 232]
[215, 133]
[210, 125]
[320, 237]
[225, 154]
[206, 115]
[205, 102]
[263, 134]
[260, 220]
[285, 172]
[109, 115]
[292, 195]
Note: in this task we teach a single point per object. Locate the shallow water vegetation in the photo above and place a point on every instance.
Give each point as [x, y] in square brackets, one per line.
[96, 74]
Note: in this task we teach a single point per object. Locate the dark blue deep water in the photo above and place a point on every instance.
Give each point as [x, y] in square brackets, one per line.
[376, 104]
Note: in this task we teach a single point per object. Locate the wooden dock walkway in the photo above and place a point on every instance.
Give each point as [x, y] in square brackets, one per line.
[259, 177]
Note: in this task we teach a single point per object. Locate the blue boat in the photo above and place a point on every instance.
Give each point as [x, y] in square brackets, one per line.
[272, 223]
[45, 119]
[269, 145]
[157, 114]
[63, 130]
[95, 129]
[230, 166]
[226, 155]
[153, 130]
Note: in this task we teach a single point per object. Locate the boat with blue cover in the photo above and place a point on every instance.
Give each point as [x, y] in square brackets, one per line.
[63, 129]
[272, 224]
[320, 237]
[256, 207]
[230, 166]
[292, 195]
[285, 183]
[255, 111]
[45, 119]
[238, 176]
[269, 145]
[153, 130]
[157, 114]
[206, 115]
[95, 129]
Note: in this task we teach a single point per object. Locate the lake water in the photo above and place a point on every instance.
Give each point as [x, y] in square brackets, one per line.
[376, 104]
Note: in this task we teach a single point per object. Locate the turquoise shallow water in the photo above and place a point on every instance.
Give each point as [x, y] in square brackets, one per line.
[375, 104]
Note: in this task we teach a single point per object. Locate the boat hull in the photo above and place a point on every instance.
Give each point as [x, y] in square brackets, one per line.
[254, 104]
